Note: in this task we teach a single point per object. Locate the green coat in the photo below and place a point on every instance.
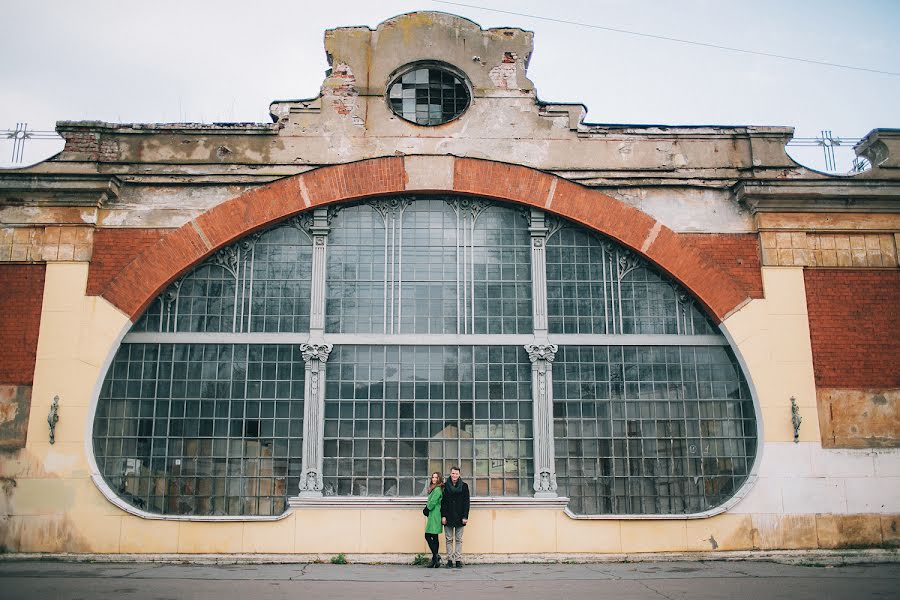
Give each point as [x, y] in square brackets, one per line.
[433, 524]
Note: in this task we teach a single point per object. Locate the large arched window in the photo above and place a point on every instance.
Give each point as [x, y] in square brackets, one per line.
[352, 351]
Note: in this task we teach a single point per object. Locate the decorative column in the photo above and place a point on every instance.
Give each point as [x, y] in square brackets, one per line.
[541, 353]
[538, 228]
[315, 355]
[318, 229]
[542, 356]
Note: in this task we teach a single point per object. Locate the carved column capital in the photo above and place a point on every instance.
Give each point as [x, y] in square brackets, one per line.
[541, 352]
[318, 352]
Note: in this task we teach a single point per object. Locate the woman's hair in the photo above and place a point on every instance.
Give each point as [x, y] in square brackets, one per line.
[432, 485]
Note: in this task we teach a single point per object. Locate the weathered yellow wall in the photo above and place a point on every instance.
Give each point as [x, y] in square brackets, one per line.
[49, 503]
[772, 337]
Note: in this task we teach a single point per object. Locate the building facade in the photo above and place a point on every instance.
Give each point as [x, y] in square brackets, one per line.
[263, 338]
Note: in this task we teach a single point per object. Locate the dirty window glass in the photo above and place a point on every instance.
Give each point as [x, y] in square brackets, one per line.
[428, 96]
[258, 284]
[650, 430]
[393, 415]
[200, 415]
[595, 286]
[202, 429]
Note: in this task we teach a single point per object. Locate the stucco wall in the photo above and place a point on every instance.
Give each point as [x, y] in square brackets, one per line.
[685, 197]
[803, 496]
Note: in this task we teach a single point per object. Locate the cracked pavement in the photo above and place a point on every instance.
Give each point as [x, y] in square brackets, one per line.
[620, 581]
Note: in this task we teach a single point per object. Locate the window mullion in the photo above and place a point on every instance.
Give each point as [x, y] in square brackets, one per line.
[538, 229]
[541, 353]
[314, 357]
[319, 231]
[541, 356]
[315, 354]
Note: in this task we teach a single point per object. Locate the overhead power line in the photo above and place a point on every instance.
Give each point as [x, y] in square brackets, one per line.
[676, 40]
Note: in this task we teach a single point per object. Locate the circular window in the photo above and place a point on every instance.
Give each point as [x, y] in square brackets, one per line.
[428, 95]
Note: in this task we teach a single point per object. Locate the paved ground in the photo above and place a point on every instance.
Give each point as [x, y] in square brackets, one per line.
[49, 580]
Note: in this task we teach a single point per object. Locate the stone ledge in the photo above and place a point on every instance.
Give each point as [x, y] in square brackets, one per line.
[406, 502]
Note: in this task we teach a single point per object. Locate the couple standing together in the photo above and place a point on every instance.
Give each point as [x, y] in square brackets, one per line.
[447, 508]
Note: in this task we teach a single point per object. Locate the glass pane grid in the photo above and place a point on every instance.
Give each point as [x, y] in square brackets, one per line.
[501, 251]
[357, 272]
[258, 284]
[595, 287]
[393, 415]
[578, 292]
[281, 273]
[650, 430]
[215, 429]
[202, 429]
[428, 96]
[430, 270]
[206, 300]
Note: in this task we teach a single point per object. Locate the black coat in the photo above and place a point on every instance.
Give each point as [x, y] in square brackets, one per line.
[455, 506]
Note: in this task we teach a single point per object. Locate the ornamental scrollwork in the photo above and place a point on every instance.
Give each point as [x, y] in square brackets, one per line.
[390, 208]
[525, 213]
[227, 258]
[626, 263]
[538, 352]
[545, 481]
[302, 221]
[318, 352]
[171, 294]
[311, 481]
[248, 243]
[468, 206]
[553, 224]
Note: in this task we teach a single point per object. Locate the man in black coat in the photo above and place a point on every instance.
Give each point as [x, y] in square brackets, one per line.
[454, 516]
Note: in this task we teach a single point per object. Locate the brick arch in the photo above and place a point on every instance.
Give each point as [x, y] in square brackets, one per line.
[133, 288]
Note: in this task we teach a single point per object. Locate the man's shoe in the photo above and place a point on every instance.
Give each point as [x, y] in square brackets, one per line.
[458, 565]
[449, 564]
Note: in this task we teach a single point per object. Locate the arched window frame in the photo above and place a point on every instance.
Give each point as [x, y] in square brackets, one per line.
[540, 344]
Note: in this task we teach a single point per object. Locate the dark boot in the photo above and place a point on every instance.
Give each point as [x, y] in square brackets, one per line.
[435, 562]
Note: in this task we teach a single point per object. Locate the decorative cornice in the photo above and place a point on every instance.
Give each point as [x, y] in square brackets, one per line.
[881, 147]
[58, 190]
[827, 195]
[163, 128]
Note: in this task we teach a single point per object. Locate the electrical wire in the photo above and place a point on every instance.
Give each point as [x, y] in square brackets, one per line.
[677, 40]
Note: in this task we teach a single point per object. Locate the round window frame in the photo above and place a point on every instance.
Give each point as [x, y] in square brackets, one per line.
[395, 75]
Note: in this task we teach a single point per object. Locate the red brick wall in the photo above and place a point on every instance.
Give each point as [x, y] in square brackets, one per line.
[736, 254]
[854, 325]
[21, 297]
[138, 283]
[115, 248]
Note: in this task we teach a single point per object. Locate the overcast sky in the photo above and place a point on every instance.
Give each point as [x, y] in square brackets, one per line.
[193, 60]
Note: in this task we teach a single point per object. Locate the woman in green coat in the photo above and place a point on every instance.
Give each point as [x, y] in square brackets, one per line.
[433, 526]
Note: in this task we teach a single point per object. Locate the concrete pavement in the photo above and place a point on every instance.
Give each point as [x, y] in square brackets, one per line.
[49, 580]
